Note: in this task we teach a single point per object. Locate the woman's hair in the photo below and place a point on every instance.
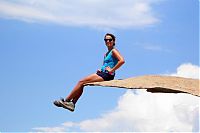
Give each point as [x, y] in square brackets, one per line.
[113, 37]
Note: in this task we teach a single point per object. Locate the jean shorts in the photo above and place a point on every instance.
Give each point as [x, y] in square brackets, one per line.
[105, 76]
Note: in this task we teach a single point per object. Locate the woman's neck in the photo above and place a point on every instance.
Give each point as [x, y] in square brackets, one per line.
[110, 48]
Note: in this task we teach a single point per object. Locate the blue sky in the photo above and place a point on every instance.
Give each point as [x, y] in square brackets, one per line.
[47, 46]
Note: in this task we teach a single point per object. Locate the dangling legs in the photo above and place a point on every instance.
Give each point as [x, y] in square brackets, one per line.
[78, 89]
[72, 98]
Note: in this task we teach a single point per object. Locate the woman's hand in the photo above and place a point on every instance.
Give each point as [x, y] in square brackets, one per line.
[108, 69]
[98, 70]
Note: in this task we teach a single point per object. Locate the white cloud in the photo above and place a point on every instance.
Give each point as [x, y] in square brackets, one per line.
[50, 129]
[98, 13]
[155, 48]
[187, 70]
[143, 112]
[146, 112]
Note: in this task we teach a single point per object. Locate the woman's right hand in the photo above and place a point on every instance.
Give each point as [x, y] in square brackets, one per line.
[98, 70]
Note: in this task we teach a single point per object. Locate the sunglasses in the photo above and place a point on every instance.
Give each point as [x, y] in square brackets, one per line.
[110, 40]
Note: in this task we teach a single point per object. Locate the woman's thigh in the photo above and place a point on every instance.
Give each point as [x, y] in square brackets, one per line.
[92, 78]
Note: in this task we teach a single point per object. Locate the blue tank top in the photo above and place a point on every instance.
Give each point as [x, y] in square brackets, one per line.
[110, 61]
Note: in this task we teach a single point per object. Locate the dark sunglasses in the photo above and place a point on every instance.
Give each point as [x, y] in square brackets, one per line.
[110, 40]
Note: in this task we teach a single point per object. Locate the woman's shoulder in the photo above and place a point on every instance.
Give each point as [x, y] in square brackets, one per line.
[114, 50]
[116, 53]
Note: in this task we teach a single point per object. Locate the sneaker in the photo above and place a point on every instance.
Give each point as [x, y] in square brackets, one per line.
[57, 102]
[68, 105]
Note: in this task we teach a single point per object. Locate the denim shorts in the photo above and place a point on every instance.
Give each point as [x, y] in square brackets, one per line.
[105, 76]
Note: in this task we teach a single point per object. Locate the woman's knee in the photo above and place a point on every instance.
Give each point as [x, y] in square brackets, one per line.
[81, 82]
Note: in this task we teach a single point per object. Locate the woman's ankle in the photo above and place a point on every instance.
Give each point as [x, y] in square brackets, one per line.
[67, 100]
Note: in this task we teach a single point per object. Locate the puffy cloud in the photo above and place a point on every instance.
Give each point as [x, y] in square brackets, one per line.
[147, 112]
[187, 70]
[143, 112]
[98, 13]
[139, 111]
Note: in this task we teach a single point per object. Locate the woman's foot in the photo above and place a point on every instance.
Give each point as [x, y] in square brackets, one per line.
[65, 104]
[68, 105]
[57, 102]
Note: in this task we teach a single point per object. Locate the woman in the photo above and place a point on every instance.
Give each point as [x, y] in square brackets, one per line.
[112, 61]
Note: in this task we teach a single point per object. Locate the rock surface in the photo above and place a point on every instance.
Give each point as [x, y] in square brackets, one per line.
[155, 83]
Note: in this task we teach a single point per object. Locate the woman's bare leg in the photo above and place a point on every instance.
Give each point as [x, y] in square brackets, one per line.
[78, 89]
[75, 99]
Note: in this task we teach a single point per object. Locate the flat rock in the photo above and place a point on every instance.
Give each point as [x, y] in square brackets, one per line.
[155, 83]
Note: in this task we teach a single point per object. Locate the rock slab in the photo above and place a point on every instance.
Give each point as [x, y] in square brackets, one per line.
[155, 84]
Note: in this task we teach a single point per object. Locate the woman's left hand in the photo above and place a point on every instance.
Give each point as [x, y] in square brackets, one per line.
[108, 69]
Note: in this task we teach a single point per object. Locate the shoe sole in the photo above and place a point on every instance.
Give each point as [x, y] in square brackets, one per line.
[66, 107]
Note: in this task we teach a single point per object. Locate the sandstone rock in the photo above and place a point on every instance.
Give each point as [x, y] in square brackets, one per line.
[155, 83]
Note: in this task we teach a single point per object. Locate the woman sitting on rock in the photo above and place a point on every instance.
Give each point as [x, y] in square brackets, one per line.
[112, 61]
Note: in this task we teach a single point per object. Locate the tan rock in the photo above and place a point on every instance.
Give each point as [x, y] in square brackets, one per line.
[155, 83]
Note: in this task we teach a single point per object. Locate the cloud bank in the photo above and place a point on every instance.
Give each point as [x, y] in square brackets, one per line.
[139, 111]
[98, 14]
[187, 70]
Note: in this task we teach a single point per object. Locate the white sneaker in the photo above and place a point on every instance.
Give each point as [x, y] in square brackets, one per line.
[57, 102]
[68, 105]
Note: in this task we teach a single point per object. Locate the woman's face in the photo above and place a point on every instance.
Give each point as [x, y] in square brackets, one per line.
[109, 41]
